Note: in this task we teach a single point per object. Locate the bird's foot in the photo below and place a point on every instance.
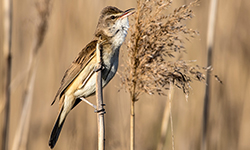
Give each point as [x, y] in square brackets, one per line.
[99, 67]
[102, 111]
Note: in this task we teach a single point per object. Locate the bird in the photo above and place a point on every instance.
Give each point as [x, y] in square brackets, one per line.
[79, 79]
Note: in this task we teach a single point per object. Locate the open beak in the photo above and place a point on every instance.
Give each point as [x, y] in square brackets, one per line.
[127, 13]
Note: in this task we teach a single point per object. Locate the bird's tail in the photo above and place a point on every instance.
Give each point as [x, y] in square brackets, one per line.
[56, 129]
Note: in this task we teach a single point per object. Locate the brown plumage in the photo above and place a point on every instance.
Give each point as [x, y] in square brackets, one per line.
[79, 79]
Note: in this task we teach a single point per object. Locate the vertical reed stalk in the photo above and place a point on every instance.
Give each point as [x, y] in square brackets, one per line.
[99, 100]
[134, 94]
[172, 127]
[21, 135]
[132, 125]
[7, 19]
[210, 45]
[166, 118]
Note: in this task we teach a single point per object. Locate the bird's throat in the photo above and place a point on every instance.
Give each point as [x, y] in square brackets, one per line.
[122, 26]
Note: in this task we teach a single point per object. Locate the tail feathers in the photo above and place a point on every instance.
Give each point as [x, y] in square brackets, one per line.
[56, 132]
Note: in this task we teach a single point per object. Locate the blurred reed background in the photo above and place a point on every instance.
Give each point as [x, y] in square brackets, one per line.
[71, 26]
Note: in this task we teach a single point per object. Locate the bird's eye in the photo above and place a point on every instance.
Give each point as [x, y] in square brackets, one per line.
[112, 17]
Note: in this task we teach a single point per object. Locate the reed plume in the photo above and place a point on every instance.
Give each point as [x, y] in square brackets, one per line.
[156, 38]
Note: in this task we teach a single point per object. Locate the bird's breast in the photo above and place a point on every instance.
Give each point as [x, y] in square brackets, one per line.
[110, 63]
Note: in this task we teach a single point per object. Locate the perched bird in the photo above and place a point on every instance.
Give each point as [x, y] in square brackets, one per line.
[79, 80]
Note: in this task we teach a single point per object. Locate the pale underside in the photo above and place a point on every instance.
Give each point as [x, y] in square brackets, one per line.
[83, 84]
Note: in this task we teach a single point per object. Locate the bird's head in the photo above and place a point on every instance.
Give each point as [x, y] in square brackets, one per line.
[113, 23]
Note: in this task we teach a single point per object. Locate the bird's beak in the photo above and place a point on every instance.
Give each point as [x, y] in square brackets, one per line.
[127, 13]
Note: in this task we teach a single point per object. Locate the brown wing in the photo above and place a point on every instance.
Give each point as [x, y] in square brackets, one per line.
[83, 58]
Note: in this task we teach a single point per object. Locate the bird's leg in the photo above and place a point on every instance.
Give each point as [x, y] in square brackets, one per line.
[94, 106]
[86, 101]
